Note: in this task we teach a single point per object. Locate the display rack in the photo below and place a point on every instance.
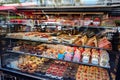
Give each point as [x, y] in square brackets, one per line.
[23, 53]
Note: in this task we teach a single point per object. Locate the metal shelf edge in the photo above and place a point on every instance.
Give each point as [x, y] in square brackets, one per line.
[21, 73]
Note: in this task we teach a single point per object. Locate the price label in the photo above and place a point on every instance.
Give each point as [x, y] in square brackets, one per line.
[42, 26]
[85, 59]
[59, 27]
[94, 61]
[96, 23]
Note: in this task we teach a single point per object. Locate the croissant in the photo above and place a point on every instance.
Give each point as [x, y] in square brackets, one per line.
[92, 42]
[81, 41]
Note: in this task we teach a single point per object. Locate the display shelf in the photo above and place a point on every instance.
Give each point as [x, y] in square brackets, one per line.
[72, 45]
[2, 34]
[103, 27]
[24, 74]
[95, 8]
[36, 76]
[88, 64]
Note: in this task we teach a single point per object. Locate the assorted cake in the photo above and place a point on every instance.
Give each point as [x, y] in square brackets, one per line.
[91, 73]
[59, 70]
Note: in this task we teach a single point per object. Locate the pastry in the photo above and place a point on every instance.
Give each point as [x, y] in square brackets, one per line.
[95, 56]
[91, 73]
[16, 48]
[77, 56]
[81, 41]
[86, 55]
[84, 40]
[92, 42]
[68, 39]
[30, 64]
[107, 44]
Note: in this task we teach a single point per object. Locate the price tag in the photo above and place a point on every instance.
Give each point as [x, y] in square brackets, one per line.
[51, 26]
[96, 23]
[110, 30]
[59, 27]
[119, 29]
[85, 59]
[94, 61]
[42, 26]
[4, 26]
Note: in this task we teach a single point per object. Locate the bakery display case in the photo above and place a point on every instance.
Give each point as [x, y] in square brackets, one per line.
[69, 53]
[60, 40]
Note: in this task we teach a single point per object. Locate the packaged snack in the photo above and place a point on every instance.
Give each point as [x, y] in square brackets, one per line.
[86, 56]
[104, 58]
[95, 57]
[77, 56]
